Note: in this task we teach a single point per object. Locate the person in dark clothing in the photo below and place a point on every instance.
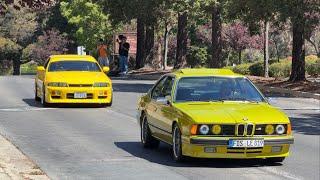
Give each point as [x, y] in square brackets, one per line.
[124, 47]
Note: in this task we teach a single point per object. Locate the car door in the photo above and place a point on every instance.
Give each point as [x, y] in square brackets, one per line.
[152, 108]
[165, 112]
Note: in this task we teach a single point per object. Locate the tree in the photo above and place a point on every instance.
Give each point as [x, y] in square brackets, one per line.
[237, 36]
[50, 43]
[304, 16]
[253, 12]
[19, 26]
[89, 19]
[9, 50]
[313, 37]
[18, 4]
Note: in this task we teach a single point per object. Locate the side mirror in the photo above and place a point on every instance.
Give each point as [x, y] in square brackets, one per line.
[106, 69]
[40, 68]
[164, 100]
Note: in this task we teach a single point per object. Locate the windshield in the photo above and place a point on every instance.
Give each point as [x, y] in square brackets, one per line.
[216, 89]
[74, 66]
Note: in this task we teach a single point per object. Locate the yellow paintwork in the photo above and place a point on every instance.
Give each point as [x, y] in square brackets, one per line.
[72, 77]
[162, 117]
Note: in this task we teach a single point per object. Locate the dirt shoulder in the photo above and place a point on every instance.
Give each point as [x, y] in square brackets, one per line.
[15, 165]
[302, 86]
[309, 88]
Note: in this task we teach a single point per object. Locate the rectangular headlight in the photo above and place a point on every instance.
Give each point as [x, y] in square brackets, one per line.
[57, 84]
[101, 84]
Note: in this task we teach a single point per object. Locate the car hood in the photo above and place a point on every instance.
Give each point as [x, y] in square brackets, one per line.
[233, 112]
[77, 77]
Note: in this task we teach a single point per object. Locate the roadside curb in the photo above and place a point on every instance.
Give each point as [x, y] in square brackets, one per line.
[263, 88]
[16, 165]
[287, 92]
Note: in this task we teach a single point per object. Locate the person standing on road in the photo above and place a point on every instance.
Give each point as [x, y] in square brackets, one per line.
[102, 54]
[124, 47]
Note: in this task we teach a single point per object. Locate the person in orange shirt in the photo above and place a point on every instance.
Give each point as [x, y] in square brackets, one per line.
[102, 54]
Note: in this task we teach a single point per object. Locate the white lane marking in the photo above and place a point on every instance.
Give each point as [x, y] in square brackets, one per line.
[280, 173]
[124, 115]
[23, 109]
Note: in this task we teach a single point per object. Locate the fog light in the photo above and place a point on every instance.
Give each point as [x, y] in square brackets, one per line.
[56, 93]
[276, 148]
[210, 149]
[101, 93]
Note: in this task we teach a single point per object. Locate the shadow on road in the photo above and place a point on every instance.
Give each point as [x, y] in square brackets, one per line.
[36, 104]
[135, 88]
[309, 125]
[163, 155]
[32, 103]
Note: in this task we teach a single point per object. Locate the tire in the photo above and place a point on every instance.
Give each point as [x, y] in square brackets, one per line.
[43, 98]
[147, 140]
[177, 145]
[110, 103]
[275, 160]
[36, 98]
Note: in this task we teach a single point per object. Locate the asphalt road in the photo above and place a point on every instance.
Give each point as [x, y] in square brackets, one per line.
[104, 143]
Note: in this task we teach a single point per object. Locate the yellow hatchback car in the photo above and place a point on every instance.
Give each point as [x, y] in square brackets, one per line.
[213, 113]
[73, 79]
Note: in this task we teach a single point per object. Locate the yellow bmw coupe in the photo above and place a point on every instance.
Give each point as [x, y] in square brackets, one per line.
[213, 113]
[73, 79]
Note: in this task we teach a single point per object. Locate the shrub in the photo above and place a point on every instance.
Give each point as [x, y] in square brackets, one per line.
[257, 69]
[242, 69]
[280, 70]
[313, 66]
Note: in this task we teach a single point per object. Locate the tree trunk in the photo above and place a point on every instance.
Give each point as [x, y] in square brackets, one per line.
[266, 49]
[140, 56]
[182, 41]
[298, 51]
[215, 62]
[239, 60]
[16, 66]
[149, 44]
[166, 41]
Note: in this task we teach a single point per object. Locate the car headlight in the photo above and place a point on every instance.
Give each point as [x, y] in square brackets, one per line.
[101, 84]
[204, 129]
[280, 129]
[57, 84]
[269, 129]
[216, 129]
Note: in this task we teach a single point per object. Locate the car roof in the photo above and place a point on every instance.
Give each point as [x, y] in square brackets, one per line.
[72, 57]
[205, 72]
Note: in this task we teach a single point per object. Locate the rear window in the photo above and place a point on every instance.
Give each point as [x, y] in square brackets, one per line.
[74, 66]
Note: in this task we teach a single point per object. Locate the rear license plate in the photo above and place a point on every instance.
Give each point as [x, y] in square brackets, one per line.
[80, 95]
[246, 143]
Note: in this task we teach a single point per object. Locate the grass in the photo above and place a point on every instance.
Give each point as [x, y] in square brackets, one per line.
[28, 69]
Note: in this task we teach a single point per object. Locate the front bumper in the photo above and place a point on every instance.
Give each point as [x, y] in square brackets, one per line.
[95, 95]
[273, 147]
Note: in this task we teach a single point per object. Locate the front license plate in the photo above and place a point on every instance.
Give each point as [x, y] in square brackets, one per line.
[246, 143]
[80, 95]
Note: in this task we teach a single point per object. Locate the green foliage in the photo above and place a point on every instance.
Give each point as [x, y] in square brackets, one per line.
[29, 68]
[242, 69]
[18, 25]
[197, 56]
[8, 49]
[89, 19]
[313, 65]
[281, 69]
[256, 69]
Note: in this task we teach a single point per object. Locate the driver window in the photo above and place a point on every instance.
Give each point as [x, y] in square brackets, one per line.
[157, 90]
[167, 87]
